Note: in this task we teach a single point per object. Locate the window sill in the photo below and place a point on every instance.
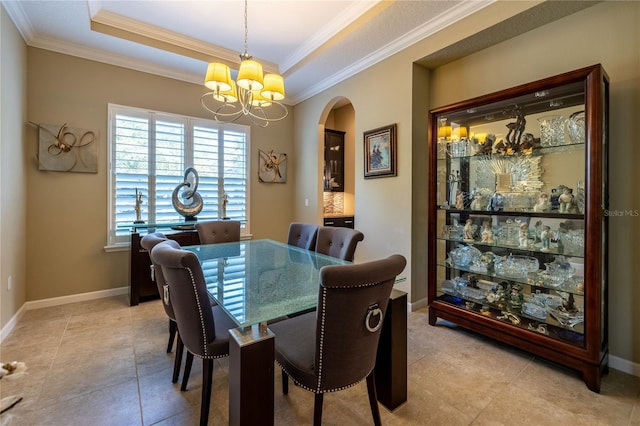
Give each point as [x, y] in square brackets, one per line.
[114, 248]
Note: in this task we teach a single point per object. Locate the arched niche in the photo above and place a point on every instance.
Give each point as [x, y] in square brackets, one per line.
[339, 114]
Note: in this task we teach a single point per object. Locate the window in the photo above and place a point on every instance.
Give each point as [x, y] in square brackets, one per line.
[149, 152]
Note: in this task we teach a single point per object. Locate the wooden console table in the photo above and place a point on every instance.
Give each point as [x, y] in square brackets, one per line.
[141, 287]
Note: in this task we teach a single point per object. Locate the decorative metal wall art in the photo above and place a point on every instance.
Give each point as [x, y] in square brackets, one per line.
[67, 149]
[272, 167]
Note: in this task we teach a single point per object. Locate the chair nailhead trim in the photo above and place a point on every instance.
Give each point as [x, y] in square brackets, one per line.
[204, 329]
[319, 390]
[324, 303]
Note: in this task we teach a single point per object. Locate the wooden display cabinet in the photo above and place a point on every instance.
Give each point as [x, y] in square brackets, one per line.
[517, 227]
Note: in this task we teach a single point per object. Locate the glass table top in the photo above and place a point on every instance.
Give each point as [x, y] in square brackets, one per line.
[259, 280]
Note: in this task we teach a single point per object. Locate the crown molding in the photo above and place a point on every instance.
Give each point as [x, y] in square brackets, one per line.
[120, 26]
[197, 49]
[115, 59]
[19, 17]
[429, 28]
[339, 23]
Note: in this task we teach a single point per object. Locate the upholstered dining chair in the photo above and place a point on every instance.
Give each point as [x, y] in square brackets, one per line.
[148, 242]
[303, 235]
[204, 329]
[335, 347]
[218, 231]
[338, 242]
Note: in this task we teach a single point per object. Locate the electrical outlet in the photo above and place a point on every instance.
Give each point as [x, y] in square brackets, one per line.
[306, 202]
[9, 283]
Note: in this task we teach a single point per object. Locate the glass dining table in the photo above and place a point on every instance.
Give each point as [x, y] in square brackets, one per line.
[256, 281]
[259, 281]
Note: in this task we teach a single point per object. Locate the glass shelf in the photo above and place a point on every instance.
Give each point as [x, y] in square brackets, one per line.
[533, 279]
[531, 248]
[469, 151]
[573, 335]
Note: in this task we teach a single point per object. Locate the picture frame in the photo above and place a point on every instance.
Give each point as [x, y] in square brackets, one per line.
[380, 152]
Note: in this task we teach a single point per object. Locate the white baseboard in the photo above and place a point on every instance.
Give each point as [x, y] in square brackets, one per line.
[11, 323]
[624, 365]
[418, 304]
[56, 301]
[63, 300]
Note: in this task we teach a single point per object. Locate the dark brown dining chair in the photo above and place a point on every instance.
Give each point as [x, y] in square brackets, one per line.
[338, 242]
[335, 347]
[303, 235]
[204, 329]
[218, 231]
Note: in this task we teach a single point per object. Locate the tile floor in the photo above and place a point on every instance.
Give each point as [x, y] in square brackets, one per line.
[104, 363]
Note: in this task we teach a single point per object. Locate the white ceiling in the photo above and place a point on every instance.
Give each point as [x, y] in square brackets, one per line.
[314, 44]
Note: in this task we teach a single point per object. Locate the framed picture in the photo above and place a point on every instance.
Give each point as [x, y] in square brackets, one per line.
[272, 167]
[380, 152]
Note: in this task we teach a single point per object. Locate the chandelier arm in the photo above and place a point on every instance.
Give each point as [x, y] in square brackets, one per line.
[285, 113]
[217, 112]
[258, 121]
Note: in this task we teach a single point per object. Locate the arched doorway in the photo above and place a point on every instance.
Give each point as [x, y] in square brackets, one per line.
[339, 116]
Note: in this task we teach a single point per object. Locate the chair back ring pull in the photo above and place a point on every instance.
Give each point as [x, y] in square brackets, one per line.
[373, 310]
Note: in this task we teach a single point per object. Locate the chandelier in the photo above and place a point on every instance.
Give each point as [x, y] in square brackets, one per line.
[252, 94]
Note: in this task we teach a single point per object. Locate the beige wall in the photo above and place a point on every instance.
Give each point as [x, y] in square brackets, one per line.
[384, 207]
[67, 212]
[13, 180]
[392, 211]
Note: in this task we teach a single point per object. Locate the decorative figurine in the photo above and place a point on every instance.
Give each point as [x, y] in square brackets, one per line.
[496, 203]
[555, 195]
[538, 230]
[460, 200]
[546, 236]
[543, 203]
[478, 202]
[524, 235]
[516, 298]
[565, 200]
[137, 207]
[468, 230]
[225, 201]
[487, 146]
[487, 233]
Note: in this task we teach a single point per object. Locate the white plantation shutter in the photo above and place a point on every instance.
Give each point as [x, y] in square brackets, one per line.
[150, 151]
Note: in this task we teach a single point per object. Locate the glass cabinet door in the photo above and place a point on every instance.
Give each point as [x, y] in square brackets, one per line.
[517, 218]
[510, 180]
[333, 160]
